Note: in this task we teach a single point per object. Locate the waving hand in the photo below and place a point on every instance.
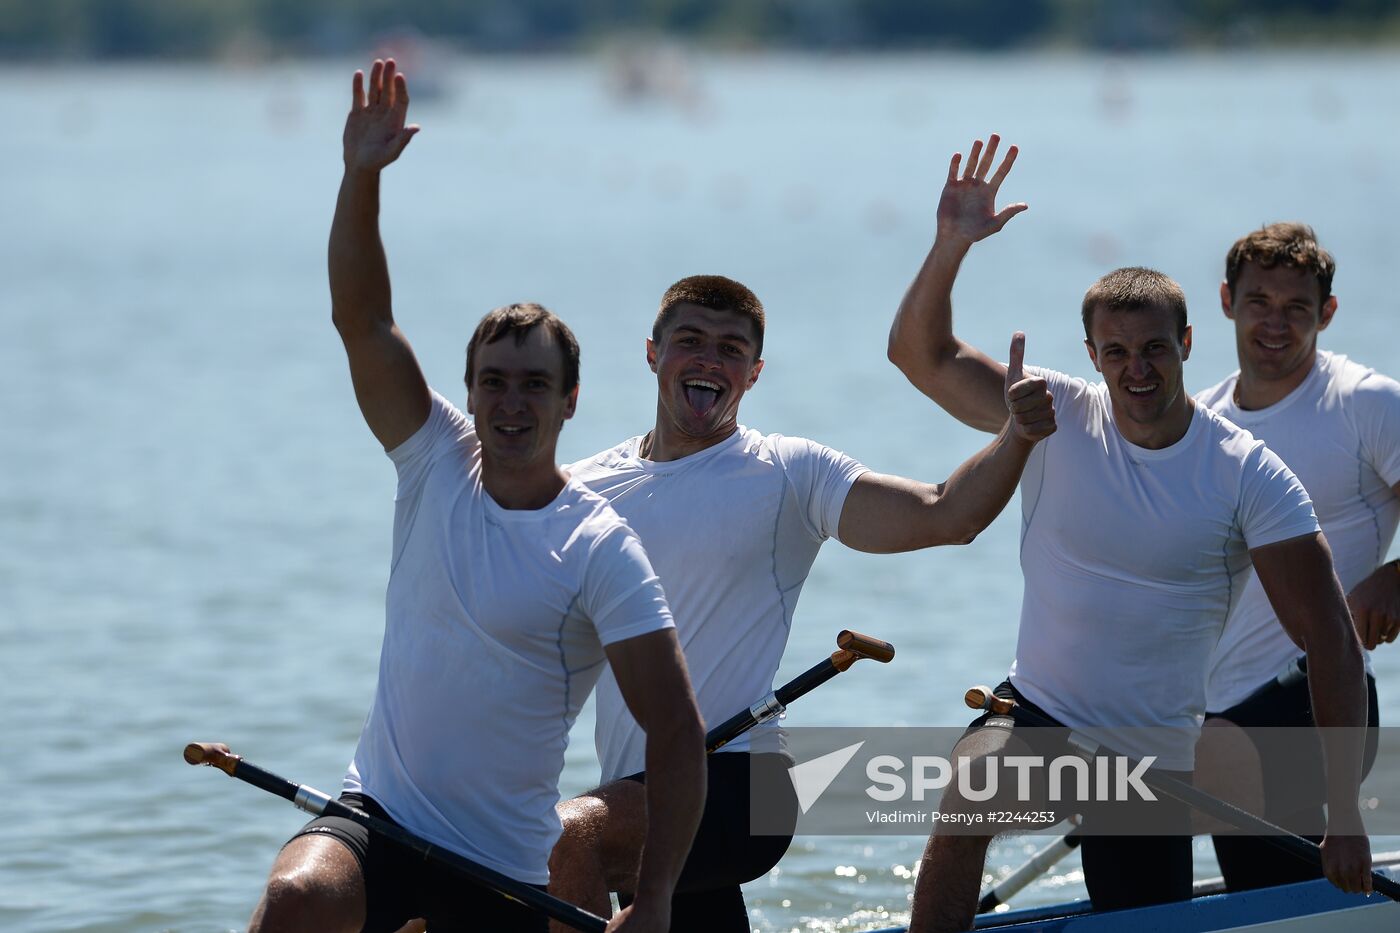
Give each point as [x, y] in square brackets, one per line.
[375, 133]
[967, 211]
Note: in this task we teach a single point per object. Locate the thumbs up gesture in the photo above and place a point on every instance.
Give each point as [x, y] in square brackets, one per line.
[1028, 399]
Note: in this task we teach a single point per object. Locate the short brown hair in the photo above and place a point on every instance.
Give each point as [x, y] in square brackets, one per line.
[520, 319]
[1288, 244]
[716, 293]
[1134, 289]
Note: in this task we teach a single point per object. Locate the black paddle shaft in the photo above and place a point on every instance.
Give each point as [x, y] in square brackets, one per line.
[316, 802]
[1179, 790]
[741, 722]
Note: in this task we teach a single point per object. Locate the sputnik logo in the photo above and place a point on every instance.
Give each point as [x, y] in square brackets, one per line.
[811, 778]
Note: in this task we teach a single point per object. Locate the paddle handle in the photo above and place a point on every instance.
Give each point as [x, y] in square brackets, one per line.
[851, 647]
[854, 646]
[982, 698]
[214, 754]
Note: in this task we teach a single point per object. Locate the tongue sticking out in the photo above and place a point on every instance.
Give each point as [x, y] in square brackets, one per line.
[701, 399]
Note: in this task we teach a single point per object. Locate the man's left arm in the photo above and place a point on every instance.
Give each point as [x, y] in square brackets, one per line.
[887, 514]
[1298, 577]
[1375, 602]
[651, 674]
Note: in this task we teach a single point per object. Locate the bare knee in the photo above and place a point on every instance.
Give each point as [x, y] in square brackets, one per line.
[584, 821]
[603, 832]
[316, 881]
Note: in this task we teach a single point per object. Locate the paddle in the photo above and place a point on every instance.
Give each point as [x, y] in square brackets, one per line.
[1035, 866]
[982, 698]
[313, 801]
[851, 647]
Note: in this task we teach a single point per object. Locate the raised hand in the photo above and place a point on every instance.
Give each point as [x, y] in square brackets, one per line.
[1028, 399]
[967, 210]
[375, 133]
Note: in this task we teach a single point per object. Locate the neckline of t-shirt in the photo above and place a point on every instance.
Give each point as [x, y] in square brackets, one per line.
[689, 460]
[499, 512]
[1246, 416]
[1159, 453]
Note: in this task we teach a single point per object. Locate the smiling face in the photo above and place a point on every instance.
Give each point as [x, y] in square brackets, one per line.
[518, 399]
[1278, 312]
[705, 360]
[1140, 357]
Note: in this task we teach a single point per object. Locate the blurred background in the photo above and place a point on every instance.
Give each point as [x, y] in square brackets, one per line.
[194, 522]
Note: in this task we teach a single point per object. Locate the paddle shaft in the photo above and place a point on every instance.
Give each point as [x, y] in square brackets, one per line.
[1036, 866]
[852, 646]
[315, 802]
[770, 706]
[1192, 796]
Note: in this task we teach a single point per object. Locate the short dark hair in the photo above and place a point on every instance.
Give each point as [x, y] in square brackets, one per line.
[716, 293]
[1134, 289]
[1287, 244]
[520, 319]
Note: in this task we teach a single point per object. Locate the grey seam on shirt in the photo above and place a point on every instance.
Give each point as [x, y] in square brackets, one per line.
[397, 547]
[778, 584]
[1230, 579]
[1374, 510]
[1026, 521]
[563, 661]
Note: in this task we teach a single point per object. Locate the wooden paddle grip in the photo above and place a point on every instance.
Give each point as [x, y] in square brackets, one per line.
[213, 754]
[983, 698]
[861, 646]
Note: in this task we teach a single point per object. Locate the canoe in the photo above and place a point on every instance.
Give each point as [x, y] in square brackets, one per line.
[1306, 907]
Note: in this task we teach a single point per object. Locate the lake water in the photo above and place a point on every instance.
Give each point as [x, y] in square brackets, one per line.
[196, 522]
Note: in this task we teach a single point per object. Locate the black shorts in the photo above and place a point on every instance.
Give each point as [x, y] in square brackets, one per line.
[401, 886]
[1119, 871]
[724, 855]
[1294, 781]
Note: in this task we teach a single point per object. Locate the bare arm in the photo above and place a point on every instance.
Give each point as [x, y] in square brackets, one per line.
[884, 514]
[1375, 602]
[389, 385]
[962, 379]
[1306, 596]
[651, 674]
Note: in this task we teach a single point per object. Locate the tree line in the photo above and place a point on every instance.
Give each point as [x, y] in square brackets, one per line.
[117, 29]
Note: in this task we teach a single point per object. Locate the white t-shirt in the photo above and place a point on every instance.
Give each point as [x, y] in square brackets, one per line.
[732, 531]
[1339, 431]
[1132, 559]
[494, 626]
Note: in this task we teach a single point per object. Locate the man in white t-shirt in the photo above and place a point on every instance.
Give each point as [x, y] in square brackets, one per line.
[732, 520]
[1336, 424]
[509, 587]
[1139, 519]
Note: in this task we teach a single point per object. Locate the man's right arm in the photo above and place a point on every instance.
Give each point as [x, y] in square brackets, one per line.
[389, 386]
[966, 382]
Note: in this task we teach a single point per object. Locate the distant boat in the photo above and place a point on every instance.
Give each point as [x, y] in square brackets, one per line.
[425, 62]
[646, 71]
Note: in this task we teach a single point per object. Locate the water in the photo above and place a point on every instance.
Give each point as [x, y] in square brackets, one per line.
[196, 522]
